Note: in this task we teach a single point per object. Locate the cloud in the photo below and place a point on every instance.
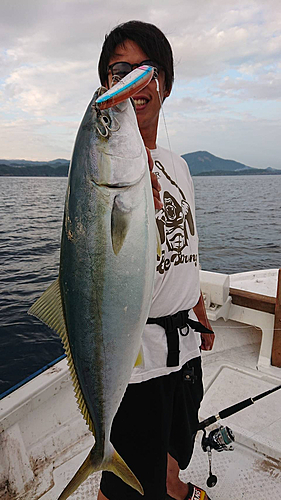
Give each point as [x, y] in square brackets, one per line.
[266, 88]
[231, 138]
[227, 58]
[51, 88]
[38, 138]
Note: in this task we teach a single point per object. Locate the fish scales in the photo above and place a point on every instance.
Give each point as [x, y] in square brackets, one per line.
[107, 266]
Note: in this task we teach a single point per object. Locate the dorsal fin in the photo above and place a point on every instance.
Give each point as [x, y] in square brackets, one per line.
[49, 309]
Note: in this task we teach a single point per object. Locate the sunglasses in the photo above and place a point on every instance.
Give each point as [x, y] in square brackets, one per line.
[121, 69]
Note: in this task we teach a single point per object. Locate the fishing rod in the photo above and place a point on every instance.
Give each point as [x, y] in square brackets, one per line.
[235, 408]
[220, 439]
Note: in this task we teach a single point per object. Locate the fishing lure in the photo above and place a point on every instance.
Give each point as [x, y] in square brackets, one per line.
[132, 83]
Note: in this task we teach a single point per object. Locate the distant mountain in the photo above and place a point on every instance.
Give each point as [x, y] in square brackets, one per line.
[21, 163]
[199, 162]
[204, 163]
[25, 168]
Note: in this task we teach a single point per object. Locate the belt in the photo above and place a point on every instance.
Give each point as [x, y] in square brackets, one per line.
[172, 325]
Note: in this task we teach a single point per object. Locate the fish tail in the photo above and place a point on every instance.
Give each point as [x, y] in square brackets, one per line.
[111, 462]
[117, 465]
[81, 475]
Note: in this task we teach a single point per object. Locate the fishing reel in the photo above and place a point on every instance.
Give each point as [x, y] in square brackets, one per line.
[219, 439]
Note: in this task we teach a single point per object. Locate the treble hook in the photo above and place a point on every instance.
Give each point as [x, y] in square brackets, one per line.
[106, 125]
[101, 133]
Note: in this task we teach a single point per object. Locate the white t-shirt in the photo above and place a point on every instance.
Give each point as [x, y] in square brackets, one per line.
[177, 286]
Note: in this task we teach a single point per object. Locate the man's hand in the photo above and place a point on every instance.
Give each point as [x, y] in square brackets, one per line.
[156, 188]
[207, 339]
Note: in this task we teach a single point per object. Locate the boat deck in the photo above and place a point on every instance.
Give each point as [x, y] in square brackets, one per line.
[230, 375]
[242, 473]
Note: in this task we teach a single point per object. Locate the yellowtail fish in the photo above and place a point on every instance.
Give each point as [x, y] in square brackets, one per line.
[100, 302]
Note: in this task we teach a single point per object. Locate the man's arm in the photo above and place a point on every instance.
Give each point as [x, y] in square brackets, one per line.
[207, 339]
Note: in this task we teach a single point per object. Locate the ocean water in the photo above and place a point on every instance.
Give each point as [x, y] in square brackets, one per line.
[238, 221]
[239, 226]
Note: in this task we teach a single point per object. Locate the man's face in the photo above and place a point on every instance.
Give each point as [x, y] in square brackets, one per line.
[147, 100]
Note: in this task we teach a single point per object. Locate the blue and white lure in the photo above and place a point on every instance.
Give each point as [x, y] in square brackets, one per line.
[132, 83]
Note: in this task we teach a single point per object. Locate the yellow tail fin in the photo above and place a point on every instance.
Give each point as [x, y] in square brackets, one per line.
[121, 469]
[111, 462]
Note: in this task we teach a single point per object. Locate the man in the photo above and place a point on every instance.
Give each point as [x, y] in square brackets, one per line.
[156, 423]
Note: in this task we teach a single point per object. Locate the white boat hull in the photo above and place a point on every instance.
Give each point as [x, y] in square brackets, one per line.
[44, 438]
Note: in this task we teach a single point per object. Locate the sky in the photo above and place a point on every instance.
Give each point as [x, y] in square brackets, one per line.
[226, 97]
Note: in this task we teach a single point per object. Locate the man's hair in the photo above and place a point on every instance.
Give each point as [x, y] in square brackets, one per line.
[149, 38]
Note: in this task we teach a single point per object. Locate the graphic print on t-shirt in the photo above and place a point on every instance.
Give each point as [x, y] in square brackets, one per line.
[173, 222]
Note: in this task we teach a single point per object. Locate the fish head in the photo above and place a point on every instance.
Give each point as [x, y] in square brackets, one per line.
[119, 155]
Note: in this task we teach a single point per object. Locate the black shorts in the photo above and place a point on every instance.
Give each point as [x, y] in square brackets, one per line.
[155, 417]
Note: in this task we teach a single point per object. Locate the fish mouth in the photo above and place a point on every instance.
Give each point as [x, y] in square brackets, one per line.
[118, 185]
[114, 171]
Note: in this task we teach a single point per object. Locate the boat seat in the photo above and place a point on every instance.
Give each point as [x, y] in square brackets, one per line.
[223, 301]
[215, 291]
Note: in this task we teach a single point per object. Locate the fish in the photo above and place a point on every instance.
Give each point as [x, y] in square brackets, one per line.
[100, 302]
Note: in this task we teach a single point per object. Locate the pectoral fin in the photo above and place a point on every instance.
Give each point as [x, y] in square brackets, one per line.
[120, 221]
